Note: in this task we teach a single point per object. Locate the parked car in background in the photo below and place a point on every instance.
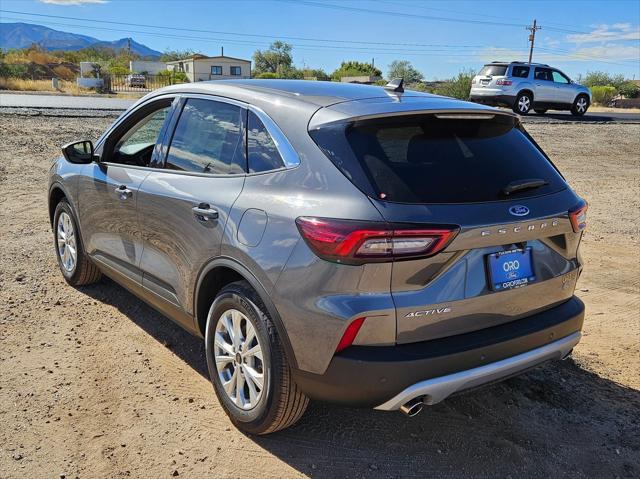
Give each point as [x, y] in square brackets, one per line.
[527, 86]
[339, 242]
[136, 80]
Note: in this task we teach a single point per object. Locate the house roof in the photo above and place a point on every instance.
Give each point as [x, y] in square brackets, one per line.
[204, 57]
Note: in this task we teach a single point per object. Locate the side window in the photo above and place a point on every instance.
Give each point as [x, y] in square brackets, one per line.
[559, 77]
[520, 72]
[134, 145]
[208, 139]
[216, 70]
[543, 74]
[263, 153]
[236, 71]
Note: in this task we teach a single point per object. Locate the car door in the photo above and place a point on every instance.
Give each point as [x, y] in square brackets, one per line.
[108, 190]
[184, 207]
[565, 92]
[545, 88]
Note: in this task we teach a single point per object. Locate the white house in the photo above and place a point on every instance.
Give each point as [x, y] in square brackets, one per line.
[202, 68]
[143, 66]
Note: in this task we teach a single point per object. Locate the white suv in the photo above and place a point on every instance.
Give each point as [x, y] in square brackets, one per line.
[523, 86]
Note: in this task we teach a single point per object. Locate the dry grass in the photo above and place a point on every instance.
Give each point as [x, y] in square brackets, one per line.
[17, 84]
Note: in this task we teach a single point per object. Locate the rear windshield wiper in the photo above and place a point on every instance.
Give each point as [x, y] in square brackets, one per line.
[520, 185]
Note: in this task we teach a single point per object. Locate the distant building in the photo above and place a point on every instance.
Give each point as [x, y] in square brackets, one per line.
[202, 68]
[143, 66]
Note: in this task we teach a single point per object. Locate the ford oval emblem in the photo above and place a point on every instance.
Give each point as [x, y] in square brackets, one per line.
[519, 210]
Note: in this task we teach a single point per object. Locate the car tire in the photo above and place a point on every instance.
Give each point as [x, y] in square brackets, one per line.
[523, 103]
[580, 105]
[238, 311]
[76, 267]
[540, 112]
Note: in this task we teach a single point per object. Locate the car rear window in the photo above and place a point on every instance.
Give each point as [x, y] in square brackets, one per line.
[493, 70]
[426, 159]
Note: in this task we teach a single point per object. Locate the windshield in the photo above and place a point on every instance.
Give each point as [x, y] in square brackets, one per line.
[426, 159]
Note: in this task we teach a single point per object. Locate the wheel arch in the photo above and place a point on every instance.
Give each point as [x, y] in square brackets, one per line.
[215, 276]
[526, 90]
[56, 194]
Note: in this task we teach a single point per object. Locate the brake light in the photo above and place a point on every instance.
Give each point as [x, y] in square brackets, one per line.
[578, 216]
[350, 334]
[358, 242]
[504, 82]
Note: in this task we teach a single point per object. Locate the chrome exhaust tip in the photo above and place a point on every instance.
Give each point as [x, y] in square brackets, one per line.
[412, 408]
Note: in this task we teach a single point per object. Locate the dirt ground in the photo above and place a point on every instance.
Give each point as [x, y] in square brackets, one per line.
[93, 383]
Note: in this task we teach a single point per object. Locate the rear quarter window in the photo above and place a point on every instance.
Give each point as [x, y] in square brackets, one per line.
[425, 159]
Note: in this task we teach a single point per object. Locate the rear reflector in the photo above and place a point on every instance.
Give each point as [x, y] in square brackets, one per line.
[350, 334]
[358, 242]
[578, 216]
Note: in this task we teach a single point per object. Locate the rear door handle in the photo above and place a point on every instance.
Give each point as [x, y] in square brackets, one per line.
[123, 192]
[204, 212]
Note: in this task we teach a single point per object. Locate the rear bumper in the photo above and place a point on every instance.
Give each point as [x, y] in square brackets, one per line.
[386, 377]
[493, 100]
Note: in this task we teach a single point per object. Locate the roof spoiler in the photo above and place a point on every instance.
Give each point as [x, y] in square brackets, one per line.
[395, 85]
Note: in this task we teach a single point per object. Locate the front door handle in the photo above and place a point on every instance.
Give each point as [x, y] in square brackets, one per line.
[204, 212]
[123, 192]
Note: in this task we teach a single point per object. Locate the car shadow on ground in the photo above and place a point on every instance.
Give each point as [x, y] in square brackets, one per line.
[557, 420]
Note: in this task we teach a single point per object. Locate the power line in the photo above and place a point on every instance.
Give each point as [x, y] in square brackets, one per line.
[332, 6]
[217, 32]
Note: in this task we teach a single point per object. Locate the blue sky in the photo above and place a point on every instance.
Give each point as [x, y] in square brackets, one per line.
[438, 37]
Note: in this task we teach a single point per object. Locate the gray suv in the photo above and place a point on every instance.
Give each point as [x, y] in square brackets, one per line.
[347, 243]
[526, 86]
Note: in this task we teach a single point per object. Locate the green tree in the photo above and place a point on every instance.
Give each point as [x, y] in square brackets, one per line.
[174, 55]
[354, 69]
[403, 69]
[276, 59]
[318, 73]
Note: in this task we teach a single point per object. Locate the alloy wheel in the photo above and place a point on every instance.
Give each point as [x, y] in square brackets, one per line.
[524, 103]
[67, 245]
[581, 105]
[239, 360]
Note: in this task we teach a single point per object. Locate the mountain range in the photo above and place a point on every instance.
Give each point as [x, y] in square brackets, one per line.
[23, 35]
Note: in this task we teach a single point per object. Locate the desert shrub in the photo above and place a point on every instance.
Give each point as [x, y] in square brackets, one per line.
[118, 70]
[602, 95]
[598, 78]
[268, 75]
[458, 86]
[13, 71]
[20, 84]
[629, 90]
[64, 73]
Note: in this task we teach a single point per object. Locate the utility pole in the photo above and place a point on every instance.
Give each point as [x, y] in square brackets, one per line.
[129, 46]
[532, 37]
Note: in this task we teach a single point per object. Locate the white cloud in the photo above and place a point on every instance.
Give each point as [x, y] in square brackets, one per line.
[610, 51]
[72, 2]
[607, 33]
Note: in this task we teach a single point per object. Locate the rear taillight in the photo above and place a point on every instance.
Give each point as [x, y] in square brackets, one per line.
[504, 82]
[578, 216]
[357, 242]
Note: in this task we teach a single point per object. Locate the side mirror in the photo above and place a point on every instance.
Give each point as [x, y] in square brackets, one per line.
[79, 152]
